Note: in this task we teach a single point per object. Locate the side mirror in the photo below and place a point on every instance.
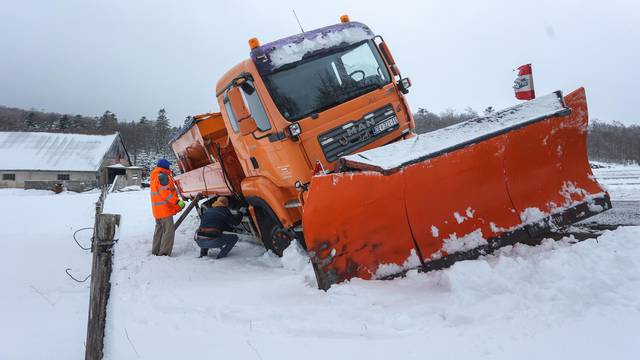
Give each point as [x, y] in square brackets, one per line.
[384, 49]
[247, 126]
[246, 123]
[240, 108]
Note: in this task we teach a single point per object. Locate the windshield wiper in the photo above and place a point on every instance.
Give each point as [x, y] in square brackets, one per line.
[359, 91]
[341, 99]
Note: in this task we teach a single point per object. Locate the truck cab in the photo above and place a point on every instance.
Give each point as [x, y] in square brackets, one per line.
[296, 106]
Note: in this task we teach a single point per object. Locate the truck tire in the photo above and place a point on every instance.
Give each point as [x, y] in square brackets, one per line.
[281, 238]
[273, 235]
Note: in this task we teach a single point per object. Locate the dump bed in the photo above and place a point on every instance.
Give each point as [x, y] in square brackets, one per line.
[204, 156]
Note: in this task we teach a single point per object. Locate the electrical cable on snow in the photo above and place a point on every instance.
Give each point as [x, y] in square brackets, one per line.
[130, 342]
[76, 239]
[81, 247]
[72, 277]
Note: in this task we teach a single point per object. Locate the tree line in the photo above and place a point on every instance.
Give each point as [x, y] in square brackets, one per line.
[608, 142]
[147, 138]
[614, 142]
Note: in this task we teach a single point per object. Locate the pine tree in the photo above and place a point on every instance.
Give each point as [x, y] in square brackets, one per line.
[108, 122]
[30, 121]
[187, 121]
[76, 124]
[162, 121]
[64, 123]
[162, 130]
[145, 134]
[488, 111]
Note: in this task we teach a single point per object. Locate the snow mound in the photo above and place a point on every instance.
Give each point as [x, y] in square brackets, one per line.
[385, 270]
[295, 258]
[455, 244]
[532, 215]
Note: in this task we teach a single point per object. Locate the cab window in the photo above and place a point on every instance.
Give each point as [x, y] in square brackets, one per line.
[232, 117]
[255, 106]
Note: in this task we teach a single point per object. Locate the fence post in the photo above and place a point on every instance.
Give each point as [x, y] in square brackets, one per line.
[103, 240]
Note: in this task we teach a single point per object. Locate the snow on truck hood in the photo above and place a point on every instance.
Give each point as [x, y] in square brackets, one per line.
[437, 142]
[276, 54]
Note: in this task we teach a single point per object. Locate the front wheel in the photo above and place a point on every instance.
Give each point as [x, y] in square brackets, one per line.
[281, 238]
[273, 235]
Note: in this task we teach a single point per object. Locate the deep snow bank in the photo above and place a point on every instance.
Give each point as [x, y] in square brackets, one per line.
[556, 300]
[43, 313]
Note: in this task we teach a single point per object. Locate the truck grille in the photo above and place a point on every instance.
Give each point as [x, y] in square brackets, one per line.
[355, 134]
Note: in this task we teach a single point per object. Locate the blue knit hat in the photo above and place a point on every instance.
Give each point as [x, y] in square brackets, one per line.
[164, 163]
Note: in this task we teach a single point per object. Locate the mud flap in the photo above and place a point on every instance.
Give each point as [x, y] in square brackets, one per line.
[511, 185]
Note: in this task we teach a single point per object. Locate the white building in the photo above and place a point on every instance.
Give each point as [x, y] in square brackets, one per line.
[78, 162]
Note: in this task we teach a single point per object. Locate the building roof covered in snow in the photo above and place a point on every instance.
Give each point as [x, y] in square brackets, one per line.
[53, 151]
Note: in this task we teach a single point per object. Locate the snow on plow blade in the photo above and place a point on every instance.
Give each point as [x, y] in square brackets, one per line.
[453, 193]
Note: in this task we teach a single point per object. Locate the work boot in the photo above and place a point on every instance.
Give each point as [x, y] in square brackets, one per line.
[204, 252]
[226, 248]
[224, 251]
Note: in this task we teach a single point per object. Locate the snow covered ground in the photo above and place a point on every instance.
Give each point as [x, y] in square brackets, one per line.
[622, 182]
[43, 313]
[557, 300]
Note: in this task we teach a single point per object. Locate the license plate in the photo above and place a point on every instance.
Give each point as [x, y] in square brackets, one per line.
[389, 123]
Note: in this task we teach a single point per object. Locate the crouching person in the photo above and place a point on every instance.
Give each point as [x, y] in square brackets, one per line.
[213, 222]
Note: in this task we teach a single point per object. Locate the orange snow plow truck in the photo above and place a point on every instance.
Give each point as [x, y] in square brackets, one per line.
[315, 139]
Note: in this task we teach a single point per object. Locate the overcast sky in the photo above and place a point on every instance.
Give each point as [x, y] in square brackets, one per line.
[134, 57]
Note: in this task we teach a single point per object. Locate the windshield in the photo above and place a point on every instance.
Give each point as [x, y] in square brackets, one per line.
[317, 84]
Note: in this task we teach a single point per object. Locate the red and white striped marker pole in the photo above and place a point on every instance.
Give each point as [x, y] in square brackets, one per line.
[523, 85]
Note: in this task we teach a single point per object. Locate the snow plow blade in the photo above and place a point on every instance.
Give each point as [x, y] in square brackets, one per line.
[454, 193]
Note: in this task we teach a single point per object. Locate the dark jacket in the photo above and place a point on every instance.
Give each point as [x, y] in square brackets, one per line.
[219, 218]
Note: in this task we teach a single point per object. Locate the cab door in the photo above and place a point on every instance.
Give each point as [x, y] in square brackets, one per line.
[252, 132]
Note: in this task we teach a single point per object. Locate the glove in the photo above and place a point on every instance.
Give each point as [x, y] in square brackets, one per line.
[181, 204]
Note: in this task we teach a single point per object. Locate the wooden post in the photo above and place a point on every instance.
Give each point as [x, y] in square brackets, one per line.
[106, 225]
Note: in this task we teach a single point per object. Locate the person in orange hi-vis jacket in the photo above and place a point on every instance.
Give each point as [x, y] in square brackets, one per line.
[164, 203]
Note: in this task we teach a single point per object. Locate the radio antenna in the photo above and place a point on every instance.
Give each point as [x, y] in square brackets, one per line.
[298, 20]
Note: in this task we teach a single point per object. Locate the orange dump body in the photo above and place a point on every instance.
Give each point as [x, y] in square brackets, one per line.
[508, 187]
[203, 151]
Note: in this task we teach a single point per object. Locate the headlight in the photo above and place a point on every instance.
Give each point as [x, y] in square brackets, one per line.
[295, 129]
